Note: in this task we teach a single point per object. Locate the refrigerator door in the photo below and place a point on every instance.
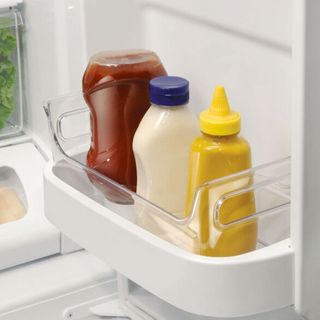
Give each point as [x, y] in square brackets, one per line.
[207, 44]
[247, 48]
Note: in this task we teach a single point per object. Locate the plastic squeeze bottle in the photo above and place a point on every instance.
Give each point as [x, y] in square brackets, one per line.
[161, 148]
[116, 89]
[220, 151]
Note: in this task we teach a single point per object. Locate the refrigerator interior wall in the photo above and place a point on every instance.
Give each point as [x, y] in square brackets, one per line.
[55, 58]
[242, 45]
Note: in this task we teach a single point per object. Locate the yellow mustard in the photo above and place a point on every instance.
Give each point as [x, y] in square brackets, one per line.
[218, 152]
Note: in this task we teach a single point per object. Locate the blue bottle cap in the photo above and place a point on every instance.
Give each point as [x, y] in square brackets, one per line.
[169, 91]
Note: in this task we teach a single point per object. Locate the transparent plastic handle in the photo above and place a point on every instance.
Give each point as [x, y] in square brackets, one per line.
[64, 124]
[283, 205]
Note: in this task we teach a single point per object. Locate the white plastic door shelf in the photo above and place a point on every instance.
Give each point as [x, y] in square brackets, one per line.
[262, 278]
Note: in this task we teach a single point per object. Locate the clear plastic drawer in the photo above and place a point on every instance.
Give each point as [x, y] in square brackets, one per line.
[11, 93]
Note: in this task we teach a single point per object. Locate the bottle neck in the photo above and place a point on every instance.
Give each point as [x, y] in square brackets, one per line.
[221, 138]
[169, 107]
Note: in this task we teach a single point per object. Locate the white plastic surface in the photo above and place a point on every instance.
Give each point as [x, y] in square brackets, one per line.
[109, 309]
[235, 286]
[160, 310]
[14, 140]
[209, 44]
[244, 45]
[306, 158]
[46, 288]
[31, 237]
[54, 55]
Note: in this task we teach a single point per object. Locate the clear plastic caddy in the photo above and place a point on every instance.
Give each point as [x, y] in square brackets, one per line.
[165, 250]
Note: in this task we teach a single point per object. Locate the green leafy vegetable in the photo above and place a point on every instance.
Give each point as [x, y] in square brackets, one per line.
[7, 74]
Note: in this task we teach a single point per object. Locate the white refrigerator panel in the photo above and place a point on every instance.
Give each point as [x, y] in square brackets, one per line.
[244, 45]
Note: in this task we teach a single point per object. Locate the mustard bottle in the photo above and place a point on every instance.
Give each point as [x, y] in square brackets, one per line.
[218, 152]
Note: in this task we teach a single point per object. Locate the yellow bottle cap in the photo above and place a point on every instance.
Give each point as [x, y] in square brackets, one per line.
[219, 120]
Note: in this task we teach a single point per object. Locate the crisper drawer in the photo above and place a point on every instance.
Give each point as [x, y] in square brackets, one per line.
[162, 255]
[11, 71]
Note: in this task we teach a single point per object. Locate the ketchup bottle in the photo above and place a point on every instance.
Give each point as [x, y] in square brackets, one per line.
[115, 87]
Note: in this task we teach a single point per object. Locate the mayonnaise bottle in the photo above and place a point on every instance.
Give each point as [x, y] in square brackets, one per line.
[161, 148]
